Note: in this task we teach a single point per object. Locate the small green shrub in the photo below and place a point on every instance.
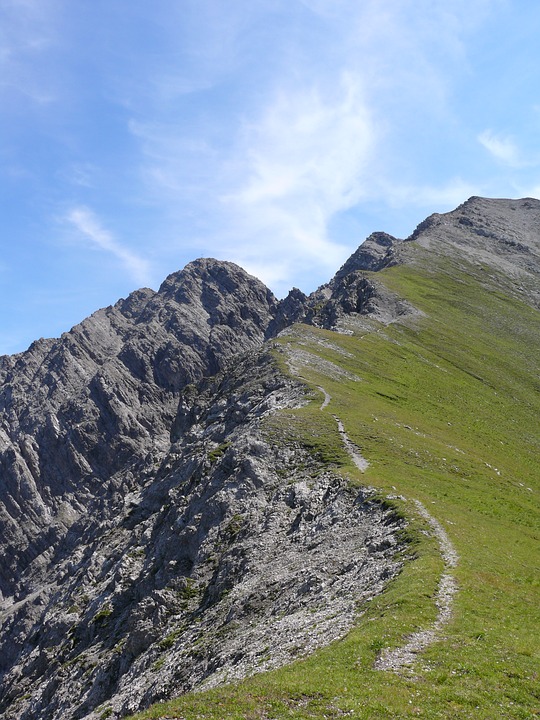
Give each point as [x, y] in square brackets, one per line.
[217, 453]
[102, 615]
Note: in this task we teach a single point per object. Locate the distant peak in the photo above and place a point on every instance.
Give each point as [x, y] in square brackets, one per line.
[226, 277]
[375, 253]
[200, 268]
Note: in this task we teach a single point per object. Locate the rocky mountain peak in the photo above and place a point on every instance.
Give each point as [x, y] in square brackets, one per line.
[80, 409]
[499, 236]
[375, 253]
[486, 223]
[213, 282]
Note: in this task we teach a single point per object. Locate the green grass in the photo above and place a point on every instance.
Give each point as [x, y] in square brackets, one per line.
[447, 412]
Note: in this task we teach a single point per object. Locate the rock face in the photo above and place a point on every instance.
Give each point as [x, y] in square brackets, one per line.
[155, 536]
[501, 236]
[234, 554]
[142, 506]
[81, 413]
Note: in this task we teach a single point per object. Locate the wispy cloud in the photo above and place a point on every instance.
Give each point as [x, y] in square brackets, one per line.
[503, 148]
[28, 32]
[434, 197]
[326, 129]
[88, 225]
[80, 175]
[302, 161]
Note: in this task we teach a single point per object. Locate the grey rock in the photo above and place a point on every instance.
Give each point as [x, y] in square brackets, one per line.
[80, 412]
[290, 310]
[499, 241]
[378, 251]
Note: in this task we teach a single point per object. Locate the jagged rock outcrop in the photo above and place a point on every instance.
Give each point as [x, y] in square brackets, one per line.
[378, 251]
[141, 511]
[100, 400]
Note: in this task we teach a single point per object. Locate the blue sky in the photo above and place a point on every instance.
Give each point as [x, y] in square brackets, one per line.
[137, 136]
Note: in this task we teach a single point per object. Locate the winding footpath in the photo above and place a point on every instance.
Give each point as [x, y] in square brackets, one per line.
[397, 658]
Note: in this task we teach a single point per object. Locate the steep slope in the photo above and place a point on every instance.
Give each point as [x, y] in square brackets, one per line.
[101, 399]
[132, 507]
[226, 549]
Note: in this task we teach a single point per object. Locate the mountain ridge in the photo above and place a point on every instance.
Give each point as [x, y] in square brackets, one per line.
[113, 430]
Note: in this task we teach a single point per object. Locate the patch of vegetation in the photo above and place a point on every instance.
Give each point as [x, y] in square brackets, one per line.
[119, 647]
[217, 453]
[169, 640]
[235, 525]
[160, 662]
[102, 615]
[137, 553]
[190, 589]
[311, 430]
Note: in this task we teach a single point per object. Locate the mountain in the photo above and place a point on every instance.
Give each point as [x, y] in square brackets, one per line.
[203, 482]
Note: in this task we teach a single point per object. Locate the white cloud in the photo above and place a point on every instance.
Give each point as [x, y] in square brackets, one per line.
[86, 223]
[304, 160]
[446, 196]
[502, 148]
[341, 120]
[271, 191]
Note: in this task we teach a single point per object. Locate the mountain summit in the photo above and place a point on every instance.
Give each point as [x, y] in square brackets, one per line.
[179, 508]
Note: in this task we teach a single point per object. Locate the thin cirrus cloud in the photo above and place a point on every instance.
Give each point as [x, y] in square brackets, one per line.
[89, 226]
[269, 192]
[449, 194]
[502, 148]
[302, 161]
[28, 35]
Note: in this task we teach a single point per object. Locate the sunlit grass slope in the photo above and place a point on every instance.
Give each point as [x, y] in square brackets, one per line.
[447, 411]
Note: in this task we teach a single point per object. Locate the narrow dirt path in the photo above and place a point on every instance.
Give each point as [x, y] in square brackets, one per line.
[397, 658]
[356, 456]
[327, 397]
[353, 450]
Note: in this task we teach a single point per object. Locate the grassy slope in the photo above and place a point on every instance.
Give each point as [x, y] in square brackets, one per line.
[447, 412]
